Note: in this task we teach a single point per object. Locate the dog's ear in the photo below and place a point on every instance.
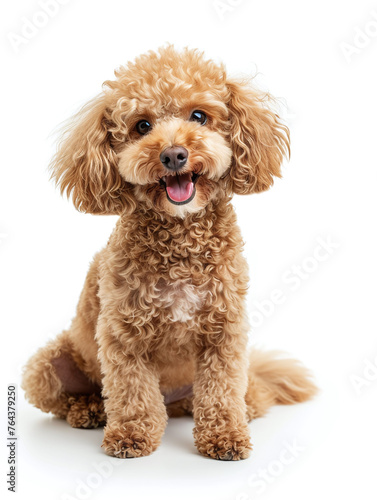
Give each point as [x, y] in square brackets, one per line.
[85, 165]
[259, 140]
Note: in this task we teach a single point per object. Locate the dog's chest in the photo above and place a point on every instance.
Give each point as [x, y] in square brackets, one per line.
[180, 300]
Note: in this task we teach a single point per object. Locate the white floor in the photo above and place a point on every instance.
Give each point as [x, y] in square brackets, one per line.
[300, 451]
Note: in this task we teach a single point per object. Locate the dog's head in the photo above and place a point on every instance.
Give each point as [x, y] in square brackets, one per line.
[172, 133]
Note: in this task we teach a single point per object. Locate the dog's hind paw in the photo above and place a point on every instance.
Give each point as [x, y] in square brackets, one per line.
[86, 412]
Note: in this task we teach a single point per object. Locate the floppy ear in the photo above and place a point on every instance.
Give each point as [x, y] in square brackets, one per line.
[85, 164]
[259, 140]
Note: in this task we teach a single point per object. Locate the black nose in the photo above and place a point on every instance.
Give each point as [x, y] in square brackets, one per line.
[174, 158]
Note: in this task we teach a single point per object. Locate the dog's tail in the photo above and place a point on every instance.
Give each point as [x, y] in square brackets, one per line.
[273, 380]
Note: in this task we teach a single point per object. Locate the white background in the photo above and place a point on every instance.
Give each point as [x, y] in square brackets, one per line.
[328, 190]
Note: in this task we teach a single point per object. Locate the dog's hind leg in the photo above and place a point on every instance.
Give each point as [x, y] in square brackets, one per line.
[53, 382]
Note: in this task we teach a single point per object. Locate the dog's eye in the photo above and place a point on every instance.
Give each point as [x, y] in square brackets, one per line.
[198, 116]
[143, 127]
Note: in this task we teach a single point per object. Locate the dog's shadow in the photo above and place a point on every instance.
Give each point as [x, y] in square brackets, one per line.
[47, 434]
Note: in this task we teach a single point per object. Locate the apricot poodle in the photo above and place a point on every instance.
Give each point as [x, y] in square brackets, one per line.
[161, 327]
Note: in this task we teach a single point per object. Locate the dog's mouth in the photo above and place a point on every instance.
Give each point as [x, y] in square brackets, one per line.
[180, 188]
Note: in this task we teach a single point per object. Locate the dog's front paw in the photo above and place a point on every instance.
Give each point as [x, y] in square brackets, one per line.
[130, 440]
[227, 445]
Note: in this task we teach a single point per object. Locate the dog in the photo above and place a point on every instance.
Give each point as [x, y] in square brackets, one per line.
[161, 328]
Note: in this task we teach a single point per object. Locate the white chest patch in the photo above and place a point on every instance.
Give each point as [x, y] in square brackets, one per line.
[181, 299]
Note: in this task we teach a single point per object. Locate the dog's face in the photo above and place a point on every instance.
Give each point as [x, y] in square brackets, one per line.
[176, 148]
[172, 134]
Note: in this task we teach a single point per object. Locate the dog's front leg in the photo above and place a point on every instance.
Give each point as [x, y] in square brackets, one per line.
[221, 429]
[136, 414]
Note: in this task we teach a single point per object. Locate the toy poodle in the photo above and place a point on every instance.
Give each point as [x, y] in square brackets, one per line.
[161, 327]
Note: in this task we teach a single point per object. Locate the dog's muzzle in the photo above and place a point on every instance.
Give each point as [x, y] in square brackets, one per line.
[180, 188]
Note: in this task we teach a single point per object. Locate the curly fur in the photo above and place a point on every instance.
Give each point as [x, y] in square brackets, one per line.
[163, 305]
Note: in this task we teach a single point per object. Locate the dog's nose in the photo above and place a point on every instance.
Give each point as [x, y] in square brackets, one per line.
[174, 158]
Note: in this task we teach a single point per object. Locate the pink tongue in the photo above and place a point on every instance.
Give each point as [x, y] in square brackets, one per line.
[179, 187]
